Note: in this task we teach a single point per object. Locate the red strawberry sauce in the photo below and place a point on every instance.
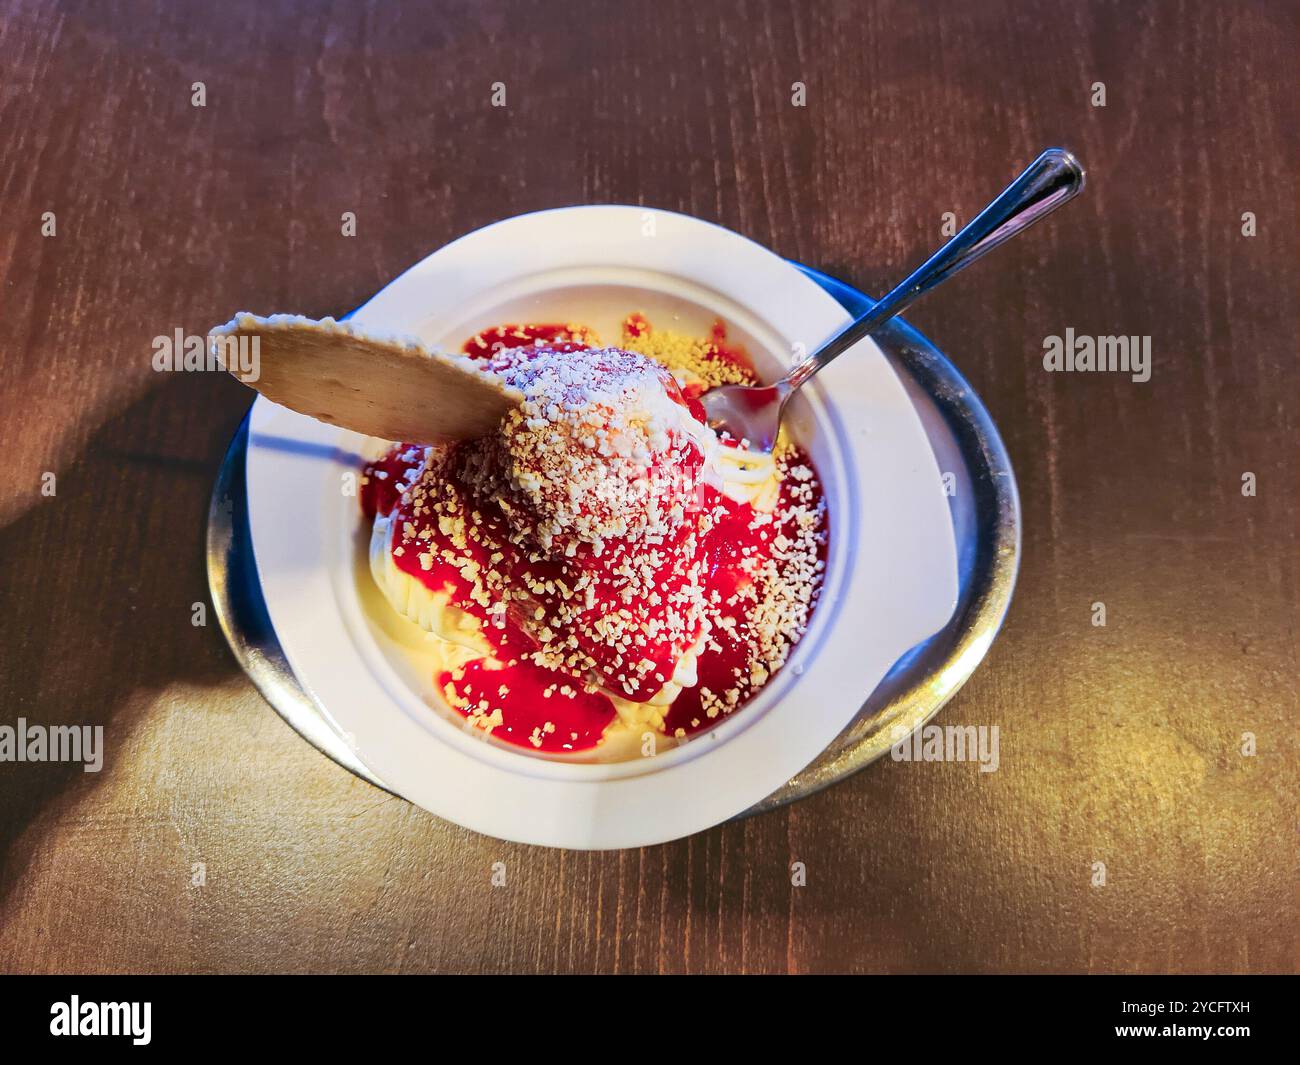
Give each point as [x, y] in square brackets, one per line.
[557, 710]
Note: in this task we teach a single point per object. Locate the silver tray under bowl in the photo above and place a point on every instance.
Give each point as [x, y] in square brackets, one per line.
[985, 511]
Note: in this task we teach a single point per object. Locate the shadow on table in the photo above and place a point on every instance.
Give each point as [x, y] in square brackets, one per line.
[99, 584]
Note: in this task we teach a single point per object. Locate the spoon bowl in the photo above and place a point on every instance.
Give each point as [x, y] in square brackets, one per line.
[750, 414]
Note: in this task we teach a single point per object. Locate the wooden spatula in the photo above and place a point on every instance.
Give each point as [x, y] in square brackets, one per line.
[390, 388]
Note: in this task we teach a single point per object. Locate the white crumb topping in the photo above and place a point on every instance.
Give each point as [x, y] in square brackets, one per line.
[602, 447]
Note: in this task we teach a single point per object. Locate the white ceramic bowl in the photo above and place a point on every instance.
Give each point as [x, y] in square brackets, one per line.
[891, 574]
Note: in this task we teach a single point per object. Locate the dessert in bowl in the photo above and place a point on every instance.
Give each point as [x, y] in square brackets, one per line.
[888, 565]
[605, 568]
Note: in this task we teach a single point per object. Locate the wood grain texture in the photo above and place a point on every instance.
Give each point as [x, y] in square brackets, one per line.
[1118, 744]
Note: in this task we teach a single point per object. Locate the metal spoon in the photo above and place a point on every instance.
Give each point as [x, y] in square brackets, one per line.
[753, 412]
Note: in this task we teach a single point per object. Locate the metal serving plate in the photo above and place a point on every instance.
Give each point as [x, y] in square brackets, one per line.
[986, 520]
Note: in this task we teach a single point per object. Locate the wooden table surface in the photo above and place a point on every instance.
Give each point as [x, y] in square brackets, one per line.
[1120, 744]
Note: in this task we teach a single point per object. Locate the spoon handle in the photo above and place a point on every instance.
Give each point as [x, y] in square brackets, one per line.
[1049, 181]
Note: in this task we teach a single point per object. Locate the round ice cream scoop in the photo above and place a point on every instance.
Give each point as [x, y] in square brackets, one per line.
[601, 446]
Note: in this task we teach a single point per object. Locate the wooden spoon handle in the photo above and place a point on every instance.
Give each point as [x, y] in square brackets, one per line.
[390, 388]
